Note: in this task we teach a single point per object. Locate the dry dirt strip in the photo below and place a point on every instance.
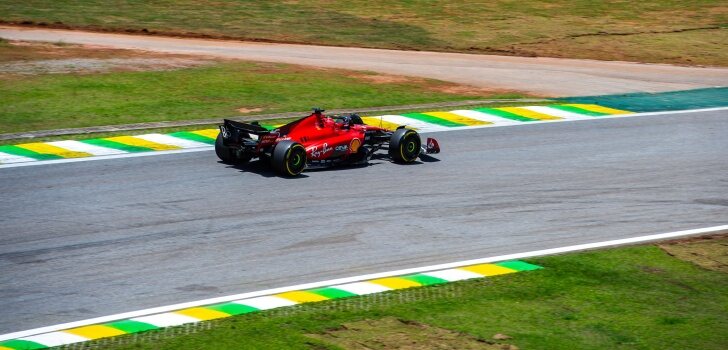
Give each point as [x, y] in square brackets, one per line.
[538, 75]
[200, 311]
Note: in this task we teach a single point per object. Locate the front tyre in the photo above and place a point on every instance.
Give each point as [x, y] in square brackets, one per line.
[289, 158]
[404, 146]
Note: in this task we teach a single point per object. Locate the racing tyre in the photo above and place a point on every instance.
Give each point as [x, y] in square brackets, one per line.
[223, 152]
[228, 155]
[289, 158]
[404, 146]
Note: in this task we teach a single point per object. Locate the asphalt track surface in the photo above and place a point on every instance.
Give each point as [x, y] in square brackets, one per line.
[88, 239]
[538, 75]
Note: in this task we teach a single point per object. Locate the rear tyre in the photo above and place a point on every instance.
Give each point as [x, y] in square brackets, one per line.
[404, 146]
[223, 152]
[228, 155]
[289, 158]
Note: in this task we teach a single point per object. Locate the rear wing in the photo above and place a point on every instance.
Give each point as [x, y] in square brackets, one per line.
[235, 134]
[233, 126]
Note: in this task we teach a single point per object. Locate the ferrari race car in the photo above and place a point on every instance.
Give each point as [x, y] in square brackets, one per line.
[317, 141]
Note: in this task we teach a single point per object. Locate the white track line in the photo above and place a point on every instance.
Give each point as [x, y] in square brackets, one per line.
[452, 275]
[113, 156]
[496, 120]
[85, 147]
[415, 123]
[353, 280]
[558, 113]
[16, 161]
[615, 116]
[171, 140]
[166, 319]
[265, 302]
[363, 288]
[12, 159]
[56, 339]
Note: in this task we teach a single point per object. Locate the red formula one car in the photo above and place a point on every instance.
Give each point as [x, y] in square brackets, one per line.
[317, 141]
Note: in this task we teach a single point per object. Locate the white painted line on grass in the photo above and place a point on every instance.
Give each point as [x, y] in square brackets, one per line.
[353, 280]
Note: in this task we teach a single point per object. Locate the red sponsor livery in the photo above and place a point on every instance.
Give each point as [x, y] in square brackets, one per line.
[318, 140]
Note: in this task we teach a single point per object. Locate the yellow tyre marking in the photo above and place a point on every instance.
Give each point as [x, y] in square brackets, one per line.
[395, 283]
[456, 118]
[528, 113]
[598, 108]
[45, 148]
[285, 159]
[402, 146]
[288, 154]
[488, 269]
[211, 133]
[378, 122]
[300, 296]
[95, 331]
[134, 141]
[202, 313]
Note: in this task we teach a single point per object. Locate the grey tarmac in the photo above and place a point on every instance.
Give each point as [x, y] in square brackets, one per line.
[89, 239]
[539, 75]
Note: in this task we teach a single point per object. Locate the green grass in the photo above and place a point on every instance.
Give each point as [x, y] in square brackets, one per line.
[55, 101]
[626, 298]
[521, 27]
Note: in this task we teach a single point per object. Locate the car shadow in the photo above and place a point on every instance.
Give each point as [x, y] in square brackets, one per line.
[339, 167]
[423, 158]
[262, 168]
[428, 158]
